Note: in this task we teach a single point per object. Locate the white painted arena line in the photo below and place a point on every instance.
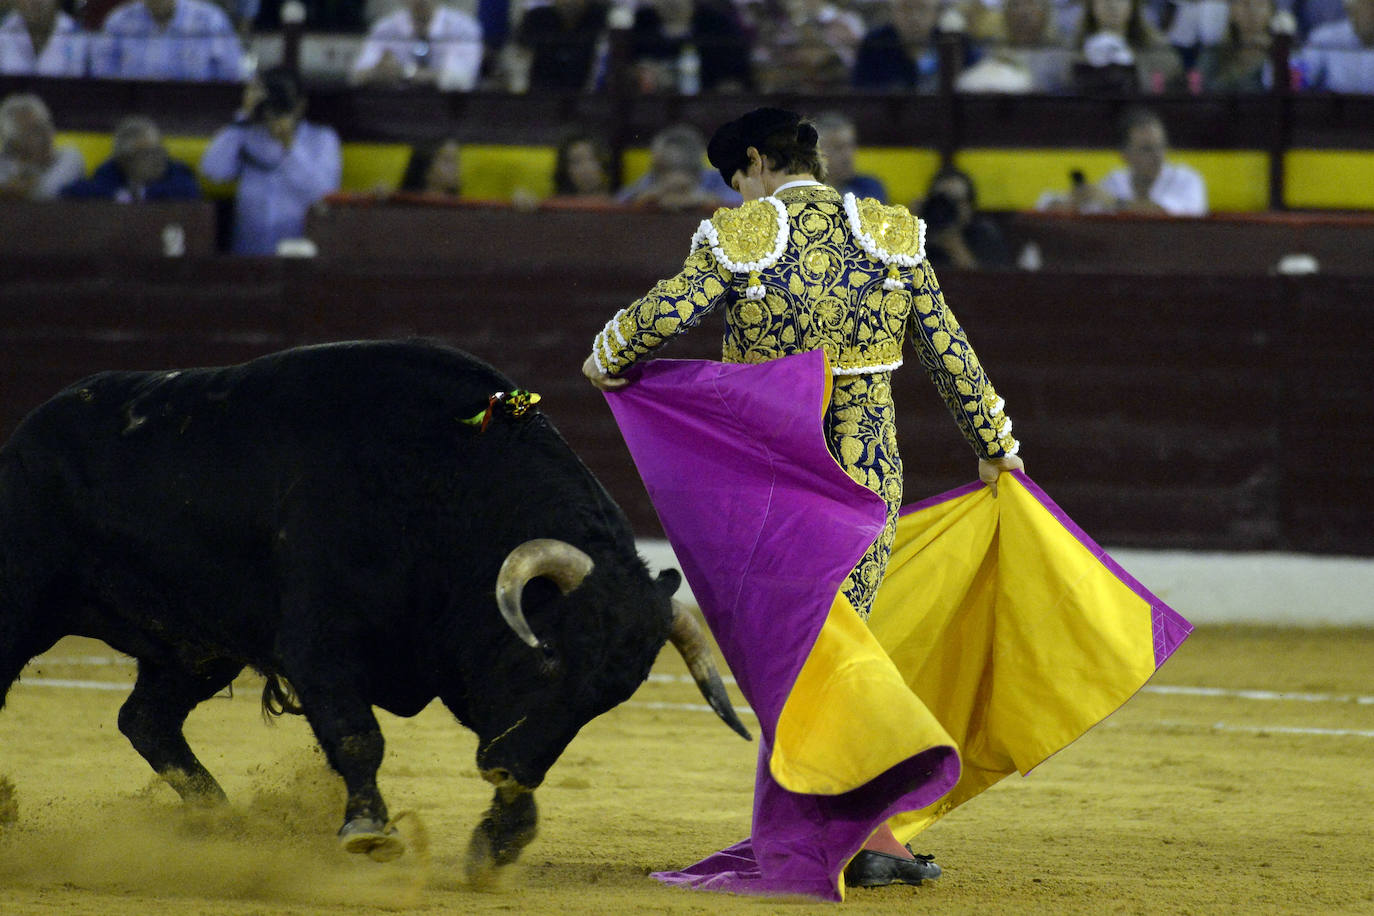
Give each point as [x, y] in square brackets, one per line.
[1162, 690]
[125, 686]
[1259, 694]
[1167, 690]
[1168, 723]
[683, 707]
[1271, 729]
[122, 661]
[702, 707]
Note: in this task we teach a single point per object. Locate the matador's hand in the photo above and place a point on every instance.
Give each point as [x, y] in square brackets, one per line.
[600, 379]
[990, 468]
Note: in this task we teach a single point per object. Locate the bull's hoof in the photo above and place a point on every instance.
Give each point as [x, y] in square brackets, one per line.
[369, 836]
[483, 873]
[508, 827]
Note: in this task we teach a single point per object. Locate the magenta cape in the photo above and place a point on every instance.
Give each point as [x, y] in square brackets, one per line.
[901, 720]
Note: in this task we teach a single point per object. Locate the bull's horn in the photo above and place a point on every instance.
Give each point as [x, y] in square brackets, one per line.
[559, 561]
[691, 642]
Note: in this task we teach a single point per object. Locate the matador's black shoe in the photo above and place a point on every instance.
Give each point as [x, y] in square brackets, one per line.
[878, 869]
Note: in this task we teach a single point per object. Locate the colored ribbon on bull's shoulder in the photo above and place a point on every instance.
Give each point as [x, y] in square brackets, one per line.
[515, 403]
[863, 725]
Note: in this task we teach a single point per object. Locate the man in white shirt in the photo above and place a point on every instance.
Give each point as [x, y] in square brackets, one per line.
[1147, 183]
[39, 39]
[32, 166]
[1339, 56]
[167, 40]
[422, 43]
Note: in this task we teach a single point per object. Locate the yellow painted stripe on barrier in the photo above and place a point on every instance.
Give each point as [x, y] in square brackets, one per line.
[374, 166]
[497, 172]
[904, 171]
[1237, 180]
[634, 163]
[1007, 179]
[94, 147]
[1014, 179]
[1338, 179]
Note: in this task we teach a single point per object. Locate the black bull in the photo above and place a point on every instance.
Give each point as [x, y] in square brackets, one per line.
[325, 516]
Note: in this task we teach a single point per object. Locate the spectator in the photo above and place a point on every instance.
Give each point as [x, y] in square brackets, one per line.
[167, 40]
[1119, 51]
[1314, 13]
[494, 18]
[582, 169]
[1025, 53]
[1196, 25]
[838, 143]
[422, 43]
[39, 39]
[434, 169]
[676, 179]
[283, 163]
[557, 45]
[1241, 62]
[957, 235]
[138, 169]
[32, 167]
[689, 45]
[901, 55]
[805, 46]
[1339, 56]
[1147, 184]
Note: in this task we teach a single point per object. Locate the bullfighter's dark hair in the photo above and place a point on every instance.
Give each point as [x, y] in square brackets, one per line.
[786, 140]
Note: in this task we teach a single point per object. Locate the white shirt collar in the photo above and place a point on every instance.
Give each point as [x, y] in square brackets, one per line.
[799, 183]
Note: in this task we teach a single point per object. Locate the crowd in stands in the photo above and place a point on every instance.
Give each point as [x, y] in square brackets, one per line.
[281, 164]
[689, 46]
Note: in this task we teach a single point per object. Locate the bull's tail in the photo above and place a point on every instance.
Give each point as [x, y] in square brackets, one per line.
[278, 697]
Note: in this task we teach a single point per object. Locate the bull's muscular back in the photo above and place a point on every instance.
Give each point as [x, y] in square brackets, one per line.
[200, 497]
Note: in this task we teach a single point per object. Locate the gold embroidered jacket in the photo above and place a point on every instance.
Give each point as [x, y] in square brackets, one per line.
[807, 269]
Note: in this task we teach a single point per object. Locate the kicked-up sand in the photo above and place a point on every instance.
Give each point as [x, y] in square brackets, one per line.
[1240, 781]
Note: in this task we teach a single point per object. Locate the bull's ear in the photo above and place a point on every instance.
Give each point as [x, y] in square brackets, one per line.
[667, 582]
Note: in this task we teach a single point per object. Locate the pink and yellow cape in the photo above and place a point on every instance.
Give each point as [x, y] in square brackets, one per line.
[1000, 633]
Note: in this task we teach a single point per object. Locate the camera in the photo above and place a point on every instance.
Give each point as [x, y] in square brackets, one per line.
[281, 95]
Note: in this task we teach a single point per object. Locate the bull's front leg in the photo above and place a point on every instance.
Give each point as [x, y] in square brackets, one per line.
[508, 827]
[352, 741]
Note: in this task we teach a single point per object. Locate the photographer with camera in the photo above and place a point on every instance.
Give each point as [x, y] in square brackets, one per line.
[283, 163]
[956, 234]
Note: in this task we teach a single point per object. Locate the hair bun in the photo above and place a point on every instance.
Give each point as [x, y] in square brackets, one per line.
[806, 135]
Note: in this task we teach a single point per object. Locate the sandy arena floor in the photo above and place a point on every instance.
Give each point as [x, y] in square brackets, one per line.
[1188, 800]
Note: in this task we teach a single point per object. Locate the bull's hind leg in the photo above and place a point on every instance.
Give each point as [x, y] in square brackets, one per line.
[21, 640]
[152, 719]
[33, 615]
[14, 655]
